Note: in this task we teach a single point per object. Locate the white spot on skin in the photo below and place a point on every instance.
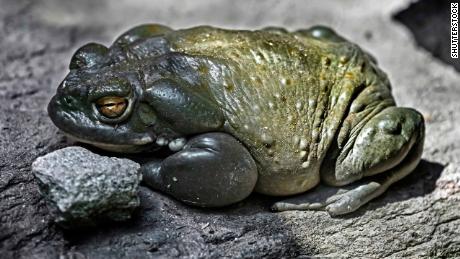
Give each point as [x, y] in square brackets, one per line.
[343, 60]
[283, 81]
[315, 134]
[177, 144]
[298, 105]
[296, 140]
[161, 141]
[330, 132]
[174, 179]
[303, 143]
[257, 57]
[277, 95]
[271, 105]
[143, 140]
[267, 139]
[334, 100]
[305, 164]
[342, 97]
[302, 154]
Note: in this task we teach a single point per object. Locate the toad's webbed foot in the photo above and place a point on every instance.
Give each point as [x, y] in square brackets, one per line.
[212, 170]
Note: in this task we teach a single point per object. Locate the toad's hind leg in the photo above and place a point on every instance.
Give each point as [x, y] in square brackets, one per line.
[389, 144]
[212, 170]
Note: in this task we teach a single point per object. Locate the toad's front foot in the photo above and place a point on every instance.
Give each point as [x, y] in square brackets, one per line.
[212, 170]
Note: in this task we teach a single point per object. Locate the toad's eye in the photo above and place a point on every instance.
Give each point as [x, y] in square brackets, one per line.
[112, 106]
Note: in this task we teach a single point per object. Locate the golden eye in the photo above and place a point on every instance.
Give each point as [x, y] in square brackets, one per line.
[112, 106]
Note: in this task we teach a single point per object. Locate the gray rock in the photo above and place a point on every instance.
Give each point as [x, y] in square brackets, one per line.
[83, 187]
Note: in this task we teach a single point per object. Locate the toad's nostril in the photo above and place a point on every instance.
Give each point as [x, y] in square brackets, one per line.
[68, 100]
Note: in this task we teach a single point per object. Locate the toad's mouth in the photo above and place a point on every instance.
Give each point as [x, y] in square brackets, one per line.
[138, 145]
[143, 144]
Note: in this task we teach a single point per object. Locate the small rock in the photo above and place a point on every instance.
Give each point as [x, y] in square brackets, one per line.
[82, 187]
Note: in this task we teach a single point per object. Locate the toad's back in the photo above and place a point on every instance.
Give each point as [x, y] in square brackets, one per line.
[284, 95]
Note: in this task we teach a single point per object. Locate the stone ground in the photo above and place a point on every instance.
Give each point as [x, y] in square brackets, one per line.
[418, 217]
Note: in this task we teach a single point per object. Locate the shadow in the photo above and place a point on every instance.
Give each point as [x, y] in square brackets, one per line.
[429, 22]
[164, 227]
[77, 234]
[419, 183]
[254, 204]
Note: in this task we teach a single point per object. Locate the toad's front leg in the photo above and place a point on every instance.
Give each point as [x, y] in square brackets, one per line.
[212, 170]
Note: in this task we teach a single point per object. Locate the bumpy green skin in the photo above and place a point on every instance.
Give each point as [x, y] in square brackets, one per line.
[307, 105]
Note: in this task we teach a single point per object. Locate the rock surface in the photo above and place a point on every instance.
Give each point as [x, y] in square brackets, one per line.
[418, 217]
[83, 188]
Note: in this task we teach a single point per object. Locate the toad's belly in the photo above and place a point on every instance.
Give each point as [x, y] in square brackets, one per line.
[288, 160]
[288, 180]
